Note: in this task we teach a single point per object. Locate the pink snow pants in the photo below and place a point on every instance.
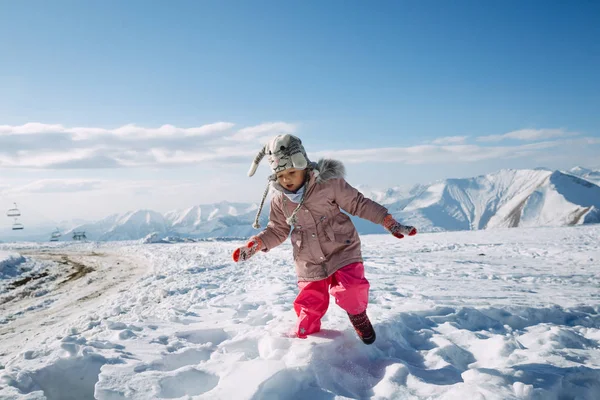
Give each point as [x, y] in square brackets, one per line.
[347, 285]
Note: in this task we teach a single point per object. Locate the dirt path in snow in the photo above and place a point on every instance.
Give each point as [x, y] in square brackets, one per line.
[70, 288]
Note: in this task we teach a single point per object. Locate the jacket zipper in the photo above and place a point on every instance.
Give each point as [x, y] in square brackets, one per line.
[323, 267]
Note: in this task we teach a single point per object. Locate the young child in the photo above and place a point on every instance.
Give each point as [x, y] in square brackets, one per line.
[326, 246]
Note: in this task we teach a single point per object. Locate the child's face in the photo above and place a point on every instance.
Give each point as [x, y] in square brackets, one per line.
[291, 179]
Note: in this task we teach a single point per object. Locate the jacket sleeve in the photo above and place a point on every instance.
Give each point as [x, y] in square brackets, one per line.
[353, 202]
[277, 229]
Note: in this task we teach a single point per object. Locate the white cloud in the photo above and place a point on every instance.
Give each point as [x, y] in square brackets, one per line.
[134, 132]
[58, 186]
[591, 140]
[528, 135]
[130, 131]
[42, 146]
[36, 145]
[74, 186]
[44, 159]
[433, 154]
[30, 128]
[179, 157]
[263, 131]
[450, 140]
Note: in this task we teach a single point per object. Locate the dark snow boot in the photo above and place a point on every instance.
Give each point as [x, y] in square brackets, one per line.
[363, 327]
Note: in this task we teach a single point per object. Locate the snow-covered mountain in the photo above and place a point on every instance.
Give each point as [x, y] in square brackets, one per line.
[218, 220]
[136, 224]
[587, 174]
[505, 199]
[392, 195]
[213, 220]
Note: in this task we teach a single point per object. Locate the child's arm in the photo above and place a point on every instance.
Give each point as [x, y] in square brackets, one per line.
[353, 201]
[277, 229]
[275, 233]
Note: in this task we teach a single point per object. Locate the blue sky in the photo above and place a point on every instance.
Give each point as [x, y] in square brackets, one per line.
[345, 76]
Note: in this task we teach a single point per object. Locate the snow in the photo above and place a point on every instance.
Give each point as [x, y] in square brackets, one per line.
[9, 264]
[494, 314]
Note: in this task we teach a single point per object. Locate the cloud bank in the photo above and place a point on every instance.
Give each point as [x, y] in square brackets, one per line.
[528, 135]
[54, 146]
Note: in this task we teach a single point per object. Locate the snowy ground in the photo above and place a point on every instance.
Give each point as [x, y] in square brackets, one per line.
[508, 314]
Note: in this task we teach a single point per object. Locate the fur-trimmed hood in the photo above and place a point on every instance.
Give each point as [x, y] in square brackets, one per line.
[329, 169]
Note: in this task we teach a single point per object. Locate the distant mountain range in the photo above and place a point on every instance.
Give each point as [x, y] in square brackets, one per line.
[505, 199]
[587, 174]
[205, 221]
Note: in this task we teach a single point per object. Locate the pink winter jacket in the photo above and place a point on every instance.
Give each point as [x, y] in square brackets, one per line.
[324, 238]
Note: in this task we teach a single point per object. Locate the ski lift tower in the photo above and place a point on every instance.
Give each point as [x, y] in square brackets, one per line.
[80, 235]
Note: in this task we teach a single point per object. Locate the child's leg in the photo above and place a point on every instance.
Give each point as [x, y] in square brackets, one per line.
[351, 292]
[310, 306]
[350, 288]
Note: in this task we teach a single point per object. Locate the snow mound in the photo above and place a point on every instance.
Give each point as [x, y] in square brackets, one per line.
[9, 264]
[154, 237]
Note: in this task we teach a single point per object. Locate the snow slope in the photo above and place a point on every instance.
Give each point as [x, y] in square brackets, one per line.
[494, 314]
[577, 199]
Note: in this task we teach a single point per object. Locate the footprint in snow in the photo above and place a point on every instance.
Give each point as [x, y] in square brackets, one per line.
[203, 336]
[191, 382]
[173, 361]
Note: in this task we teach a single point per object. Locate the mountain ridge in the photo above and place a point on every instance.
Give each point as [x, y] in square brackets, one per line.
[507, 198]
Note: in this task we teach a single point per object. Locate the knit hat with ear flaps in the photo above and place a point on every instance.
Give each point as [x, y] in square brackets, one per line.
[284, 152]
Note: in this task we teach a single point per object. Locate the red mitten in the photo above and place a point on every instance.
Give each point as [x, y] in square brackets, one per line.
[397, 229]
[244, 253]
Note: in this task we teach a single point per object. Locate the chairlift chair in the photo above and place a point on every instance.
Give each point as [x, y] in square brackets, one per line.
[17, 226]
[13, 212]
[55, 235]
